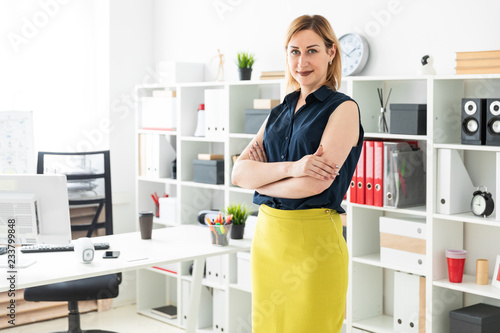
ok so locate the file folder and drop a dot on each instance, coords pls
(409, 303)
(404, 176)
(378, 174)
(360, 177)
(352, 188)
(369, 155)
(454, 185)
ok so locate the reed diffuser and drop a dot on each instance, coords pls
(382, 123)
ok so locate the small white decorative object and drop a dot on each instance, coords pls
(427, 66)
(84, 250)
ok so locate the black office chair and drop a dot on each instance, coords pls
(89, 183)
(94, 288)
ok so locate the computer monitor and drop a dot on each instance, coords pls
(39, 205)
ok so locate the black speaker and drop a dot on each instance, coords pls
(473, 121)
(493, 121)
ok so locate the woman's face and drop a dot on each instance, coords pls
(308, 59)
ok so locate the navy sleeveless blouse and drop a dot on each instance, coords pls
(289, 137)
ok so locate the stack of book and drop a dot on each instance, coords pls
(481, 62)
(272, 75)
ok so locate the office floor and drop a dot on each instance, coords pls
(123, 319)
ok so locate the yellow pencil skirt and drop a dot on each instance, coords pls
(299, 266)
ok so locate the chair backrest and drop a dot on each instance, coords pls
(89, 183)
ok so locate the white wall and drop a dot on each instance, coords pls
(49, 64)
(399, 32)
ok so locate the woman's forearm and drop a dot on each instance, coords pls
(295, 188)
(252, 174)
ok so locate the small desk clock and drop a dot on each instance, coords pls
(482, 202)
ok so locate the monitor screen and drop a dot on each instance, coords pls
(35, 208)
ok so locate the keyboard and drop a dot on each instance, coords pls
(57, 248)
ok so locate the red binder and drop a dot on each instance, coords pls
(352, 188)
(360, 177)
(369, 172)
(378, 174)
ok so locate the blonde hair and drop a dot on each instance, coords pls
(322, 27)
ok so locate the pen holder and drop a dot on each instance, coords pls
(219, 234)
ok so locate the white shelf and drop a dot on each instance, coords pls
(379, 324)
(469, 286)
(469, 218)
(389, 136)
(417, 210)
(194, 196)
(145, 131)
(202, 185)
(374, 260)
(458, 146)
(158, 180)
(202, 139)
(148, 313)
(443, 96)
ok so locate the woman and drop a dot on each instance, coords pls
(300, 164)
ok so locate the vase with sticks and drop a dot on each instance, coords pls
(382, 122)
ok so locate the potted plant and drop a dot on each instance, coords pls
(240, 213)
(245, 63)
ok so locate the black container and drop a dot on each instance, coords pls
(477, 318)
(254, 118)
(410, 119)
(209, 172)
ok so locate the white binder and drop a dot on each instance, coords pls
(454, 186)
(215, 107)
(219, 309)
(409, 303)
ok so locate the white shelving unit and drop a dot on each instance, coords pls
(370, 304)
(232, 312)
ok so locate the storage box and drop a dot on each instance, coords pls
(265, 103)
(209, 172)
(408, 119)
(172, 72)
(254, 118)
(403, 242)
(158, 113)
(168, 210)
(477, 318)
(244, 276)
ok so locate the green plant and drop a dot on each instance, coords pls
(239, 211)
(245, 60)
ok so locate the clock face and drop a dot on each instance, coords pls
(355, 53)
(478, 205)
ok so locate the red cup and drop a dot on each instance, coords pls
(456, 262)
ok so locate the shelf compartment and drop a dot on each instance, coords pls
(157, 289)
(403, 91)
(241, 97)
(374, 260)
(196, 198)
(469, 286)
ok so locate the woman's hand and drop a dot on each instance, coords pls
(315, 166)
(256, 153)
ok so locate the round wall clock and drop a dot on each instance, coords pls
(355, 52)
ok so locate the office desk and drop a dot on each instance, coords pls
(168, 245)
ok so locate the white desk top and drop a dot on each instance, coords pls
(168, 245)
